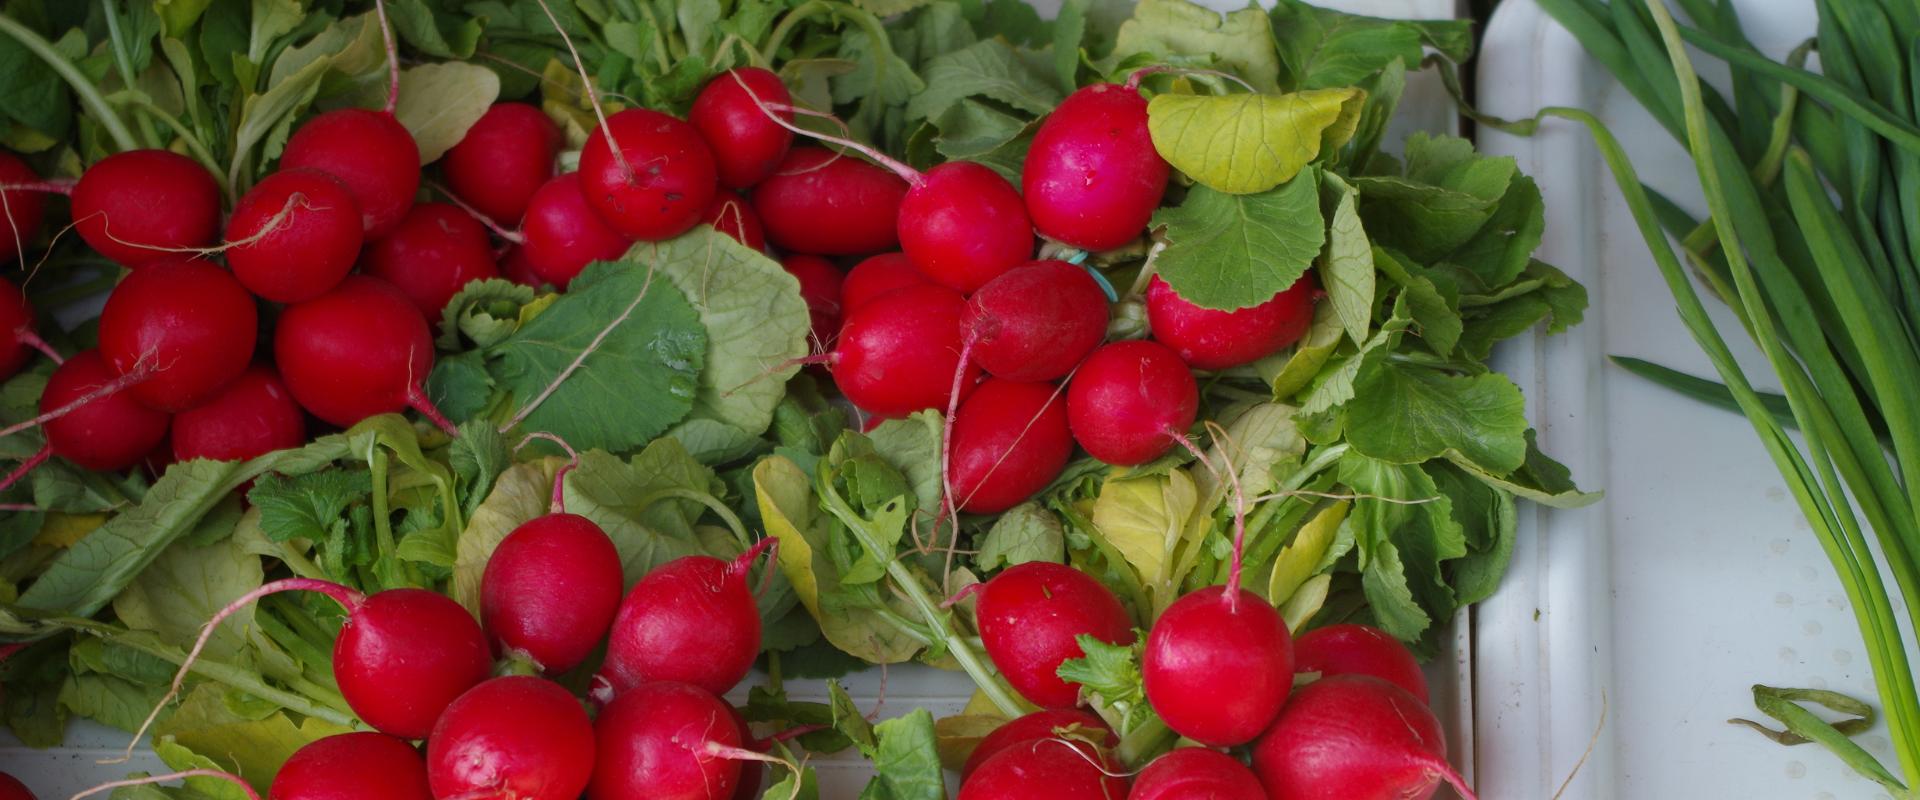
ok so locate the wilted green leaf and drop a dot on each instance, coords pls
(1241, 41)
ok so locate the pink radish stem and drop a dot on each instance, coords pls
(1232, 594)
(949, 511)
(906, 173)
(418, 401)
(393, 55)
(559, 503)
(173, 776)
(345, 596)
(26, 466)
(27, 337)
(961, 596)
(498, 230)
(1453, 779)
(50, 186)
(593, 96)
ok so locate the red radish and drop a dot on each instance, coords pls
(252, 416)
(1046, 769)
(17, 339)
(552, 587)
(964, 225)
(436, 250)
(1211, 339)
(515, 267)
(187, 325)
(370, 152)
(12, 789)
(818, 201)
(820, 286)
(1092, 178)
(294, 235)
(563, 234)
(897, 355)
(1130, 401)
(516, 737)
(1349, 649)
(401, 658)
(142, 206)
(21, 209)
(1009, 441)
(1067, 723)
(876, 276)
(1036, 322)
(692, 620)
(665, 741)
(106, 434)
(659, 182)
(1355, 737)
(503, 158)
(746, 145)
(359, 350)
(352, 766)
(1030, 615)
(1194, 773)
(1201, 637)
(730, 214)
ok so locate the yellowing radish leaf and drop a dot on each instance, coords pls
(1306, 602)
(439, 102)
(1145, 518)
(1249, 143)
(1306, 554)
(1241, 41)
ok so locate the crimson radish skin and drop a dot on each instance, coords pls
(404, 656)
(370, 152)
(21, 211)
(502, 160)
(875, 276)
(352, 766)
(1129, 400)
(1202, 637)
(1355, 737)
(515, 267)
(518, 736)
(692, 620)
(1195, 773)
(897, 354)
(12, 789)
(1049, 724)
(294, 235)
(1349, 649)
(551, 589)
(107, 434)
(1212, 339)
(1036, 322)
(732, 215)
(188, 324)
(562, 234)
(747, 146)
(1009, 441)
(143, 206)
(1046, 769)
(829, 204)
(820, 284)
(964, 225)
(656, 742)
(1092, 178)
(1030, 615)
(663, 186)
(252, 416)
(435, 251)
(359, 350)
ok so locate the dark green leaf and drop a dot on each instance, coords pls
(1233, 251)
(311, 506)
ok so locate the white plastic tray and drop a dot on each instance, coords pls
(67, 770)
(1697, 576)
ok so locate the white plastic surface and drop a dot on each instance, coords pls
(1697, 576)
(64, 771)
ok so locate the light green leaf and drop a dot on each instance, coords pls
(1347, 269)
(434, 32)
(1242, 41)
(520, 494)
(989, 68)
(754, 318)
(1323, 47)
(1540, 479)
(110, 700)
(1307, 555)
(439, 102)
(659, 349)
(1249, 143)
(1306, 601)
(907, 761)
(177, 16)
(1026, 532)
(1257, 439)
(711, 441)
(485, 311)
(1069, 30)
(351, 46)
(253, 748)
(1406, 415)
(1291, 372)
(267, 118)
(1431, 299)
(1145, 519)
(647, 507)
(1385, 582)
(1504, 246)
(888, 8)
(912, 445)
(1233, 251)
(1448, 192)
(183, 588)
